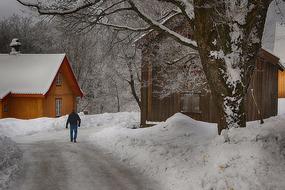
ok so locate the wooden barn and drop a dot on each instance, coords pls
(36, 85)
(263, 87)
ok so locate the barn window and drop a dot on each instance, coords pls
(190, 103)
(58, 79)
(58, 107)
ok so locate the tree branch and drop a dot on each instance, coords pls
(124, 27)
(183, 40)
(44, 11)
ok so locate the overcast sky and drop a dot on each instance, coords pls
(10, 7)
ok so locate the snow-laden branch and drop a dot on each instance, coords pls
(120, 27)
(155, 24)
(186, 7)
(47, 11)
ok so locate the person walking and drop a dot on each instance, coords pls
(74, 121)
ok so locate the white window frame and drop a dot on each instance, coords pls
(58, 107)
(58, 81)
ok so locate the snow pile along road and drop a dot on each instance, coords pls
(183, 154)
(121, 119)
(10, 161)
(17, 127)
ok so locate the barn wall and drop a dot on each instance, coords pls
(64, 92)
(265, 90)
(25, 107)
(163, 108)
(264, 83)
(281, 84)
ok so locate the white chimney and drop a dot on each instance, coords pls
(15, 46)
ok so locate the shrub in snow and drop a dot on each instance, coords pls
(10, 161)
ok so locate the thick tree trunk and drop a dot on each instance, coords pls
(132, 85)
(229, 36)
(134, 93)
(233, 115)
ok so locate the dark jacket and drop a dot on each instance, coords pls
(73, 119)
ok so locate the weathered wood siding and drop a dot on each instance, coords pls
(265, 85)
(163, 108)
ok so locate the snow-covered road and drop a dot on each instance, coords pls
(51, 162)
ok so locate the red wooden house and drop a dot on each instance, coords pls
(37, 85)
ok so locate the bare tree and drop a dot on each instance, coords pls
(227, 35)
(128, 58)
(34, 36)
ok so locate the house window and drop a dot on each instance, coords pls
(5, 108)
(190, 103)
(58, 81)
(58, 107)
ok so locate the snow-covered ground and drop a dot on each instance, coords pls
(281, 106)
(184, 154)
(180, 153)
(10, 160)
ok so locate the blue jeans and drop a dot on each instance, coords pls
(73, 132)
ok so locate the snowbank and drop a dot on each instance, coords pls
(10, 161)
(183, 154)
(17, 127)
(121, 119)
(281, 106)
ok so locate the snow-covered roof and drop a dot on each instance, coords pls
(4, 93)
(279, 43)
(28, 73)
